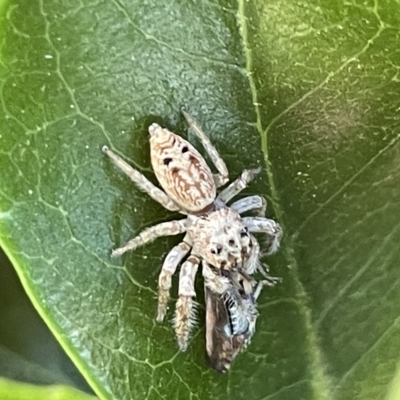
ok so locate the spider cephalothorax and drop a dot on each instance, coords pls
(190, 188)
(220, 238)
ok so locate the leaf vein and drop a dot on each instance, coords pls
(160, 42)
(347, 183)
(321, 382)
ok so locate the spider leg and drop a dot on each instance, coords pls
(223, 176)
(170, 264)
(269, 280)
(184, 311)
(268, 226)
(253, 262)
(261, 284)
(141, 181)
(149, 234)
(259, 287)
(238, 185)
(251, 265)
(250, 203)
(214, 281)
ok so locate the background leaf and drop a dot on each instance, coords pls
(28, 350)
(10, 390)
(307, 89)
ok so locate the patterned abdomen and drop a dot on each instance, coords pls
(181, 170)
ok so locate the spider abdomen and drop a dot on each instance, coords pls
(181, 170)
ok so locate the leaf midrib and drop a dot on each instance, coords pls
(320, 381)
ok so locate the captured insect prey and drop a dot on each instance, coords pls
(216, 236)
(231, 312)
(230, 324)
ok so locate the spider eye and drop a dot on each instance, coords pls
(213, 251)
(231, 242)
(219, 249)
(243, 233)
(167, 160)
(185, 149)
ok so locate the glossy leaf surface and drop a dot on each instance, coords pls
(308, 90)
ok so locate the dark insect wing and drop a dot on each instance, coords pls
(237, 312)
(230, 324)
(222, 344)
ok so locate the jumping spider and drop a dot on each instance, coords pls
(191, 189)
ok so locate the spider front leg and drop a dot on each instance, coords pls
(223, 176)
(268, 226)
(170, 264)
(149, 234)
(184, 311)
(269, 280)
(214, 281)
(238, 185)
(253, 262)
(250, 203)
(141, 181)
(260, 286)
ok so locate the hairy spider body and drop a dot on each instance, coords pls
(215, 233)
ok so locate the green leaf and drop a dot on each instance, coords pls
(14, 366)
(28, 350)
(307, 89)
(11, 390)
